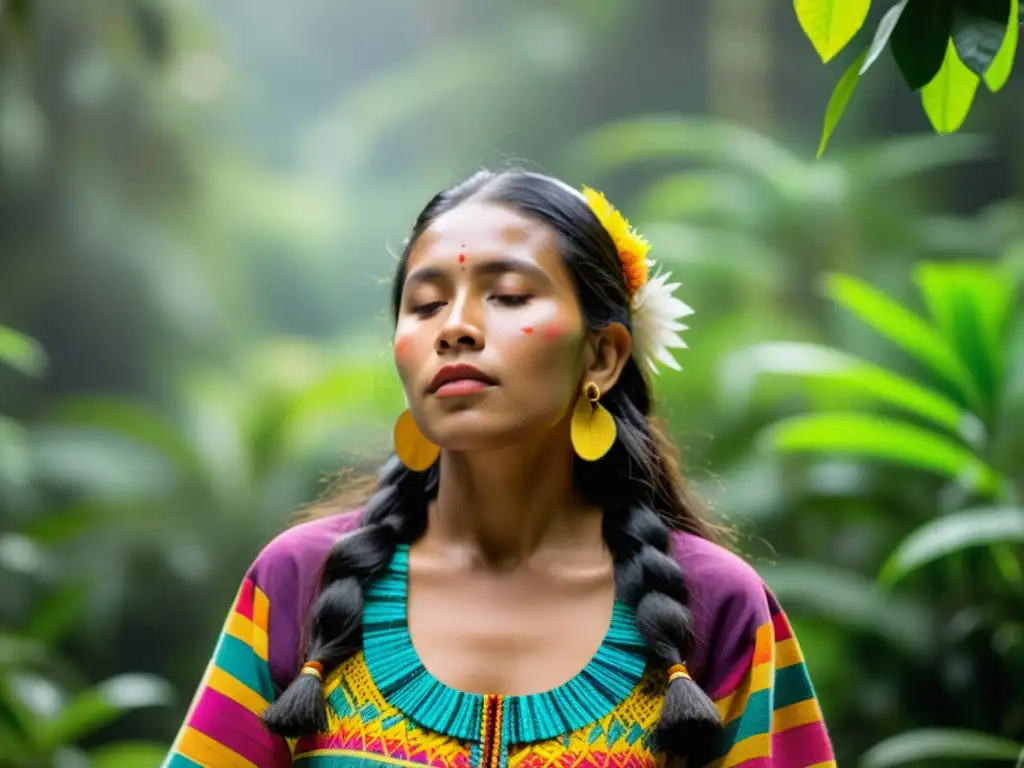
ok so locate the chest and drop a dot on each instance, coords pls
(514, 635)
(387, 706)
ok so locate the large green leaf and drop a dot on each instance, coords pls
(970, 303)
(978, 30)
(840, 98)
(880, 439)
(876, 166)
(128, 754)
(831, 24)
(21, 352)
(939, 744)
(953, 533)
(999, 72)
(661, 138)
(833, 369)
(134, 421)
(99, 706)
(901, 326)
(852, 601)
(947, 98)
(919, 41)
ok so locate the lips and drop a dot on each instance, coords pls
(460, 377)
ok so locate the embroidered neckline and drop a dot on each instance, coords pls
(395, 667)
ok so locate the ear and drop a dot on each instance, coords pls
(608, 351)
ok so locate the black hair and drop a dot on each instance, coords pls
(637, 484)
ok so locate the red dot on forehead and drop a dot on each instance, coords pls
(462, 258)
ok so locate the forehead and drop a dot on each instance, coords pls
(488, 229)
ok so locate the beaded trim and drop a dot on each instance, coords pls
(396, 669)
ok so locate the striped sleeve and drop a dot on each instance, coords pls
(223, 727)
(771, 714)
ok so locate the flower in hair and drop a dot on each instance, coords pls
(654, 308)
(633, 247)
(656, 326)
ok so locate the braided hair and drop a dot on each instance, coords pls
(637, 484)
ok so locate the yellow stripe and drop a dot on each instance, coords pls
(261, 623)
(200, 748)
(730, 707)
(748, 749)
(787, 653)
(826, 764)
(801, 713)
(237, 691)
(240, 628)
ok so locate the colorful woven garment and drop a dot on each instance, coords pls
(385, 708)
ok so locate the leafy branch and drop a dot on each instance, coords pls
(943, 48)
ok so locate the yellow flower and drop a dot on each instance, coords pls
(632, 246)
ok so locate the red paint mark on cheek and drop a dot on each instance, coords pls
(401, 348)
(553, 332)
(528, 330)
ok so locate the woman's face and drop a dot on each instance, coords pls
(486, 287)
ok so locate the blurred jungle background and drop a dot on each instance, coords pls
(198, 203)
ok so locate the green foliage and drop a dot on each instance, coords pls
(43, 719)
(938, 744)
(943, 48)
(951, 426)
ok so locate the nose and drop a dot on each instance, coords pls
(460, 331)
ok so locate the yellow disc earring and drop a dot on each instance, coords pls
(592, 428)
(412, 447)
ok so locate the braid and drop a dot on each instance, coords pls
(630, 484)
(395, 514)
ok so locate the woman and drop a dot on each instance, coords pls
(529, 585)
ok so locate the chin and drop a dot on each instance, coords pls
(467, 432)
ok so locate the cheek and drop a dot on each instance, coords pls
(408, 348)
(546, 350)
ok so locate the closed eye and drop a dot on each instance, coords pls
(512, 300)
(426, 310)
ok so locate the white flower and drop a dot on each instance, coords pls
(656, 326)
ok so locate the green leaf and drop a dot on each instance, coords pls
(953, 533)
(840, 98)
(54, 616)
(897, 159)
(978, 30)
(674, 137)
(851, 601)
(881, 439)
(948, 97)
(999, 72)
(970, 303)
(901, 326)
(128, 754)
(938, 744)
(831, 24)
(21, 352)
(838, 370)
(882, 34)
(134, 421)
(919, 40)
(97, 707)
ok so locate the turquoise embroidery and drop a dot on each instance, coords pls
(604, 683)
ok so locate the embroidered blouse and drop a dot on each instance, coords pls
(385, 708)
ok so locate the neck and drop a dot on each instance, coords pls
(504, 506)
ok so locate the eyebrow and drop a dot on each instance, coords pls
(498, 266)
